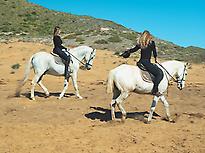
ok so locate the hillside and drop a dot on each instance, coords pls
(30, 22)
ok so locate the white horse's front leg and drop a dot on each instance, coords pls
(75, 85)
(64, 89)
(166, 106)
(153, 106)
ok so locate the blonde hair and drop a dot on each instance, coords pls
(56, 31)
(145, 39)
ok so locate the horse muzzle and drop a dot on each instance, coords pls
(88, 68)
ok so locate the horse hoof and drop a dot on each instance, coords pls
(17, 94)
(147, 122)
(59, 98)
(79, 97)
(171, 120)
(32, 98)
(47, 95)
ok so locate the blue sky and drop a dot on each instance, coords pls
(178, 21)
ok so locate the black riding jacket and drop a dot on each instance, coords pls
(146, 53)
(57, 43)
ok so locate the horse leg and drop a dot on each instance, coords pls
(112, 108)
(33, 84)
(64, 89)
(44, 88)
(154, 103)
(116, 94)
(119, 101)
(75, 85)
(166, 106)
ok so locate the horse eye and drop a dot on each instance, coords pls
(185, 73)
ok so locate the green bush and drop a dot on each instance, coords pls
(114, 39)
(101, 41)
(129, 36)
(78, 39)
(15, 66)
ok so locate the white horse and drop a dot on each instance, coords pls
(127, 78)
(44, 63)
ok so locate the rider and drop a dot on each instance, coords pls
(60, 50)
(147, 46)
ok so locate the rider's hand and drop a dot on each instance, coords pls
(156, 60)
(125, 54)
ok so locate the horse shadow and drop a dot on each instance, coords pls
(51, 94)
(104, 115)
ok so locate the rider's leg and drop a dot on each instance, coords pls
(67, 63)
(157, 72)
(158, 78)
(66, 57)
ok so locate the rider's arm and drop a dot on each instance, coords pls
(136, 48)
(126, 54)
(154, 51)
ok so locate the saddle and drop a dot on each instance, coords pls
(57, 59)
(146, 76)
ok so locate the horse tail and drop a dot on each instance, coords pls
(26, 75)
(110, 82)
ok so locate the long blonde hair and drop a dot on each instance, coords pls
(56, 31)
(145, 39)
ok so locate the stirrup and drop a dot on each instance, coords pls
(158, 94)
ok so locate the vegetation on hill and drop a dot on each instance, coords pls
(30, 22)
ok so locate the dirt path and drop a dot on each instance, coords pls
(71, 125)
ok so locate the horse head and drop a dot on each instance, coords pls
(90, 55)
(181, 75)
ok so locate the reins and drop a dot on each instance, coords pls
(167, 72)
(84, 64)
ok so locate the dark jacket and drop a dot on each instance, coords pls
(57, 44)
(146, 52)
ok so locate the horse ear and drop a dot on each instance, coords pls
(188, 65)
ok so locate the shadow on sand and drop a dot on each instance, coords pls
(104, 115)
(41, 94)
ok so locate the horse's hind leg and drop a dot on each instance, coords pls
(44, 88)
(35, 80)
(166, 106)
(119, 101)
(153, 106)
(112, 108)
(116, 94)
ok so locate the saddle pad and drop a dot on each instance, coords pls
(146, 76)
(57, 59)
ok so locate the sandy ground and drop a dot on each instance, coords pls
(49, 125)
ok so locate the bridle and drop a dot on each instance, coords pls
(88, 62)
(90, 58)
(179, 81)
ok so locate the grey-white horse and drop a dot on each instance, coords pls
(44, 63)
(127, 78)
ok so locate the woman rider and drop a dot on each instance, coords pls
(61, 50)
(147, 46)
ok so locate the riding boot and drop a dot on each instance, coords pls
(155, 90)
(67, 72)
(67, 68)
